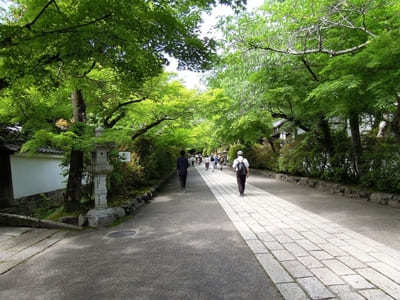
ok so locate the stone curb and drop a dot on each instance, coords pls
(17, 220)
(392, 200)
(131, 206)
(98, 218)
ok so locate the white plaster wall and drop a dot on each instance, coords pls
(35, 175)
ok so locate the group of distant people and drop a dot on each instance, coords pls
(198, 158)
(215, 161)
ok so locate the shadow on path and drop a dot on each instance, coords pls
(185, 248)
(380, 223)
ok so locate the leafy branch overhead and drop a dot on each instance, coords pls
(285, 29)
(67, 67)
(133, 37)
(323, 73)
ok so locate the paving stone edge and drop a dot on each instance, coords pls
(389, 199)
(131, 206)
(18, 220)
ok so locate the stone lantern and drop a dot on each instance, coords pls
(102, 167)
(101, 214)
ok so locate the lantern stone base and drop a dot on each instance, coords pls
(104, 217)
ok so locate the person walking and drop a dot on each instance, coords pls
(216, 160)
(221, 162)
(207, 162)
(182, 165)
(241, 167)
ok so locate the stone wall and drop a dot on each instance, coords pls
(26, 205)
(392, 200)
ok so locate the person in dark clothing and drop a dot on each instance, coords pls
(182, 165)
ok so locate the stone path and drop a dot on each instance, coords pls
(185, 247)
(18, 244)
(307, 256)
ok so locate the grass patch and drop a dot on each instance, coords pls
(54, 213)
(49, 211)
(118, 200)
(59, 213)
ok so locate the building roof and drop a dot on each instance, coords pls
(279, 123)
(12, 139)
(16, 148)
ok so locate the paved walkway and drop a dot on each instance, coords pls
(279, 241)
(18, 244)
(185, 247)
(306, 255)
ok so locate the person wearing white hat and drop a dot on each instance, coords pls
(241, 167)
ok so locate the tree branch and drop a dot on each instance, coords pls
(148, 127)
(29, 25)
(111, 124)
(308, 67)
(88, 71)
(108, 124)
(130, 102)
(8, 41)
(352, 26)
(48, 59)
(72, 28)
(56, 5)
(311, 51)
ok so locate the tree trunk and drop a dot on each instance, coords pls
(395, 124)
(73, 193)
(271, 143)
(356, 141)
(326, 135)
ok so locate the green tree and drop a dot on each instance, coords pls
(313, 64)
(47, 42)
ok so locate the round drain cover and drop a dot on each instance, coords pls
(119, 234)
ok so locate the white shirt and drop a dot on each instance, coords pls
(206, 159)
(240, 159)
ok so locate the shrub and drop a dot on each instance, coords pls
(309, 157)
(341, 164)
(149, 162)
(381, 165)
(126, 176)
(262, 157)
(293, 157)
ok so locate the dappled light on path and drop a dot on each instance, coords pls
(306, 255)
(185, 247)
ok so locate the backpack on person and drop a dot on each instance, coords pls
(241, 168)
(212, 158)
